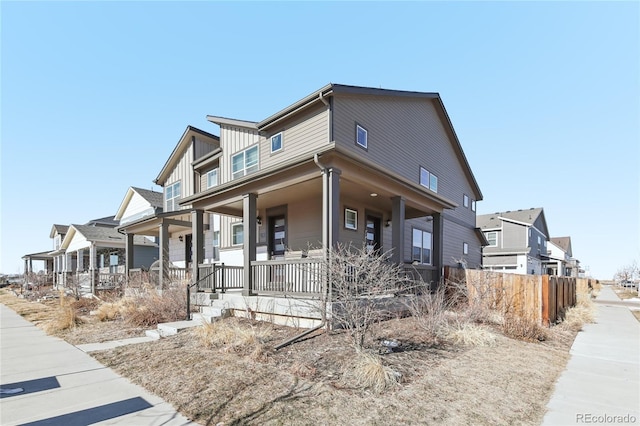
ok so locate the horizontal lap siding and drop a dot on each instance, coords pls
(513, 235)
(136, 205)
(305, 134)
(304, 227)
(403, 135)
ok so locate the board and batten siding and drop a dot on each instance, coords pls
(233, 140)
(203, 147)
(306, 133)
(183, 172)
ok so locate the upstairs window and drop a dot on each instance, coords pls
(212, 178)
(276, 143)
(421, 247)
(473, 205)
(492, 238)
(244, 162)
(465, 248)
(361, 136)
(172, 196)
(428, 179)
(465, 200)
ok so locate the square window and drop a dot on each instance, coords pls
(276, 142)
(428, 180)
(361, 136)
(492, 238)
(350, 219)
(465, 200)
(244, 162)
(465, 248)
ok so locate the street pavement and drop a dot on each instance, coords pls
(46, 381)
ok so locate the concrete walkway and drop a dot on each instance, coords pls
(62, 385)
(601, 384)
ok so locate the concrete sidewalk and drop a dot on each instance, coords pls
(61, 385)
(601, 384)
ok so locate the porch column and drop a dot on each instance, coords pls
(128, 253)
(197, 235)
(437, 246)
(333, 206)
(163, 254)
(80, 260)
(249, 229)
(397, 229)
(92, 267)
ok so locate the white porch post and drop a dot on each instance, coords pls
(249, 229)
(92, 267)
(80, 262)
(128, 249)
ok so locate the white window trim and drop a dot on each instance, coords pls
(487, 236)
(422, 232)
(233, 226)
(465, 200)
(473, 205)
(353, 227)
(281, 134)
(465, 248)
(244, 162)
(366, 137)
(174, 199)
(217, 171)
(428, 183)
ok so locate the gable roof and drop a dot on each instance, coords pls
(60, 229)
(331, 89)
(526, 217)
(182, 145)
(154, 198)
(564, 243)
(101, 234)
(107, 221)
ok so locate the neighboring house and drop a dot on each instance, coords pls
(561, 261)
(517, 241)
(191, 168)
(57, 234)
(93, 252)
(375, 167)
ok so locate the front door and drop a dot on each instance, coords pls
(188, 250)
(277, 236)
(372, 235)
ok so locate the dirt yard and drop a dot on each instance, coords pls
(318, 381)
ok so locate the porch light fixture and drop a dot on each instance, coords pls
(388, 224)
(180, 238)
(429, 218)
(373, 194)
(259, 220)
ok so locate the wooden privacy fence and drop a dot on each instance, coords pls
(542, 298)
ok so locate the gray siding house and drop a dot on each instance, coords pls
(345, 164)
(517, 241)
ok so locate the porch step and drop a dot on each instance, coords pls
(214, 312)
(202, 298)
(173, 328)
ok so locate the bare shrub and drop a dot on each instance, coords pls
(149, 307)
(361, 283)
(430, 310)
(471, 335)
(303, 369)
(523, 328)
(369, 372)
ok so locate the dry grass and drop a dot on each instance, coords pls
(369, 372)
(149, 308)
(108, 311)
(234, 335)
(469, 334)
(66, 317)
(576, 316)
(522, 328)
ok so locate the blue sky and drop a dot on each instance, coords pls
(545, 99)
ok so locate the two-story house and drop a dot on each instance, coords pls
(517, 241)
(375, 167)
(561, 261)
(183, 234)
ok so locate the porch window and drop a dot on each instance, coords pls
(244, 162)
(172, 196)
(361, 136)
(216, 245)
(212, 178)
(237, 234)
(428, 179)
(276, 142)
(421, 247)
(351, 219)
(492, 238)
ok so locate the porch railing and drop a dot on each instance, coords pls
(292, 277)
(219, 277)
